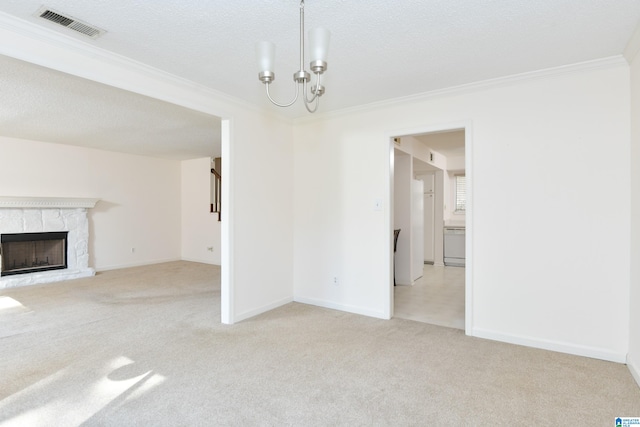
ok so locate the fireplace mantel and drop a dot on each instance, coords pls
(46, 202)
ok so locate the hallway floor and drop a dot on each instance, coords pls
(436, 298)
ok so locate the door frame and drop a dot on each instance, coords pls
(467, 125)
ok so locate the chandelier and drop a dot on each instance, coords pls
(319, 43)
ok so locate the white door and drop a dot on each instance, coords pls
(429, 182)
(417, 229)
(429, 228)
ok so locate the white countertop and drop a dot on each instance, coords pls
(454, 224)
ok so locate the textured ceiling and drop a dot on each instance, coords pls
(46, 105)
(379, 49)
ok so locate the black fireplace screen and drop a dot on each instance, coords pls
(31, 252)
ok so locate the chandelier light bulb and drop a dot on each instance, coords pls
(319, 43)
(266, 52)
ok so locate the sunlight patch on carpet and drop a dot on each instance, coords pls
(8, 304)
(78, 399)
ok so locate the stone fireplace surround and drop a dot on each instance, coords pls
(45, 214)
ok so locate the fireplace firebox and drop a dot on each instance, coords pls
(33, 252)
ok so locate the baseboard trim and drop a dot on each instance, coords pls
(561, 347)
(136, 264)
(341, 307)
(635, 371)
(256, 311)
(201, 261)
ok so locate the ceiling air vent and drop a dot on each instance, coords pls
(69, 22)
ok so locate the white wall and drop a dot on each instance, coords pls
(139, 203)
(633, 359)
(200, 228)
(550, 266)
(455, 163)
(257, 153)
(402, 217)
(412, 145)
(262, 214)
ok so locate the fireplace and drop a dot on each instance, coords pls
(62, 226)
(24, 253)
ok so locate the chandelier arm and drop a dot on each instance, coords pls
(315, 92)
(317, 102)
(282, 105)
(307, 102)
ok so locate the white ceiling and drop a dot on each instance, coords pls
(45, 105)
(379, 50)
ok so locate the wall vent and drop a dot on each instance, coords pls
(69, 22)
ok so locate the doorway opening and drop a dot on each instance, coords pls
(430, 186)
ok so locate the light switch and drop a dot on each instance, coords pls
(377, 205)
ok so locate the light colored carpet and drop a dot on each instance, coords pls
(145, 347)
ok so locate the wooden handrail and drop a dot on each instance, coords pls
(216, 206)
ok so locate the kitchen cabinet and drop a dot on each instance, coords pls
(454, 246)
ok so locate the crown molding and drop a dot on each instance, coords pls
(46, 202)
(603, 63)
(42, 46)
(171, 88)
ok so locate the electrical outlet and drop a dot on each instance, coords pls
(335, 281)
